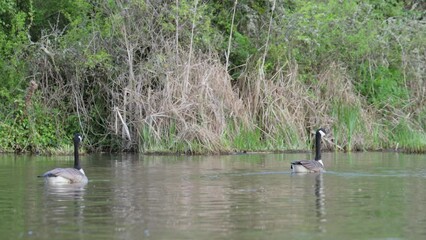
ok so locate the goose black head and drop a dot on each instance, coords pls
(321, 132)
(78, 138)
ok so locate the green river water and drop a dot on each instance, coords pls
(250, 196)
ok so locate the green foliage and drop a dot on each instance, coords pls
(32, 130)
(242, 49)
(288, 138)
(383, 86)
(99, 59)
(167, 143)
(405, 137)
(384, 9)
(48, 14)
(421, 117)
(194, 22)
(243, 45)
(346, 125)
(247, 139)
(14, 23)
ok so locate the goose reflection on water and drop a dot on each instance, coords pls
(320, 201)
(74, 191)
(65, 203)
(319, 197)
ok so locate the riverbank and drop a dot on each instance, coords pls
(68, 151)
(197, 78)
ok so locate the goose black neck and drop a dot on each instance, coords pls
(318, 146)
(76, 157)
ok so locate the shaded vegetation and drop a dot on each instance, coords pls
(212, 76)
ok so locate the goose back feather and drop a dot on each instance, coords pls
(315, 165)
(68, 175)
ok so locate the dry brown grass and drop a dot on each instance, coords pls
(157, 92)
(197, 99)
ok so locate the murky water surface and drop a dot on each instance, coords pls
(361, 196)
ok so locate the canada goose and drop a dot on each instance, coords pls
(311, 165)
(68, 175)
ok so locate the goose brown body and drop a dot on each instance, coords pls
(316, 165)
(68, 175)
(65, 175)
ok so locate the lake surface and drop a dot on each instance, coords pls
(251, 196)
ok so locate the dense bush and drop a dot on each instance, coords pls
(213, 76)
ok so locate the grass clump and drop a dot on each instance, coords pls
(248, 140)
(408, 139)
(347, 125)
